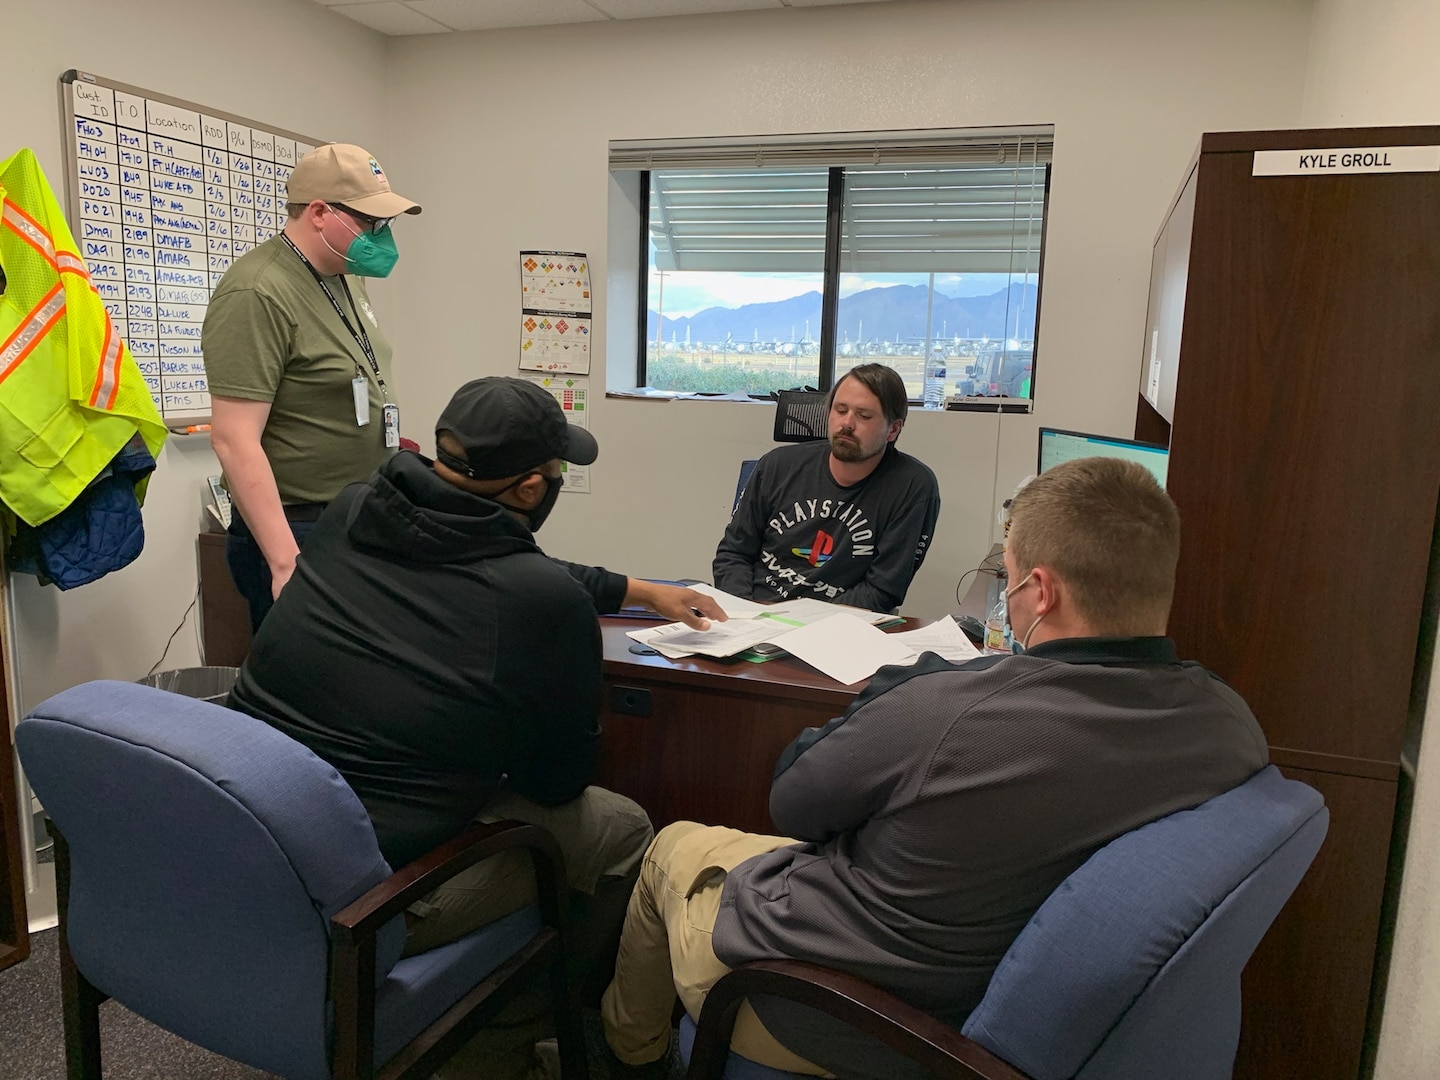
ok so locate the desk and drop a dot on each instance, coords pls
(697, 739)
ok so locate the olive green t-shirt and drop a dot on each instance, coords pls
(272, 335)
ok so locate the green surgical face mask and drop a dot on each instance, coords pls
(372, 254)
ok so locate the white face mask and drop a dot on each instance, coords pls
(1024, 642)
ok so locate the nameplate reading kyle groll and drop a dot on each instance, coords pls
(1355, 159)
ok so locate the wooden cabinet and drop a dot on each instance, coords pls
(1305, 460)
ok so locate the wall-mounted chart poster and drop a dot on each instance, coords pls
(163, 195)
(555, 281)
(572, 392)
(555, 312)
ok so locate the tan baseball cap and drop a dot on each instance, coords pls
(349, 174)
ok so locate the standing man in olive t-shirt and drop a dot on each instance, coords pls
(299, 372)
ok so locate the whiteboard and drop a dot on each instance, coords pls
(163, 195)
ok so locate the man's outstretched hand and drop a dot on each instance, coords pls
(675, 602)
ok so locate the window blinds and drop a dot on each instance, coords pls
(919, 201)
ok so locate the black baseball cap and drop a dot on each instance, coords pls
(508, 426)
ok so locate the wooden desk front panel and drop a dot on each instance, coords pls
(707, 749)
(701, 755)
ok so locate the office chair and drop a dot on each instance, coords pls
(1131, 968)
(800, 415)
(746, 468)
(220, 880)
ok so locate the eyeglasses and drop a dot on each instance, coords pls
(367, 223)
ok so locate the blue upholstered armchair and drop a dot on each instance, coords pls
(223, 882)
(1129, 971)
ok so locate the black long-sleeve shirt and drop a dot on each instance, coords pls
(797, 533)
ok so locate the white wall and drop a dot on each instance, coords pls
(504, 136)
(282, 62)
(1373, 62)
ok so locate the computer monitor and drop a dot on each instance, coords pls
(1058, 446)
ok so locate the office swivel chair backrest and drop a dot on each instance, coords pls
(1132, 967)
(208, 852)
(747, 467)
(800, 415)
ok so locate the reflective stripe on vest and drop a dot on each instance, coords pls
(107, 377)
(47, 313)
(32, 328)
(29, 230)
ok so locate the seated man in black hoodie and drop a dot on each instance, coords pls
(450, 671)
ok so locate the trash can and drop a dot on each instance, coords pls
(206, 683)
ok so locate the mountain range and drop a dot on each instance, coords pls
(883, 313)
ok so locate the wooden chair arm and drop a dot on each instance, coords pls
(415, 881)
(353, 929)
(922, 1038)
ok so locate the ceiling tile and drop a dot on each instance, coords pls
(499, 14)
(436, 16)
(654, 9)
(390, 17)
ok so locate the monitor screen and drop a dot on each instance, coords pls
(1058, 446)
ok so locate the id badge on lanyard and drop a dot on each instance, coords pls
(360, 386)
(390, 412)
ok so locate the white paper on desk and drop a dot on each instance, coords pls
(722, 639)
(648, 635)
(735, 607)
(808, 610)
(846, 648)
(942, 637)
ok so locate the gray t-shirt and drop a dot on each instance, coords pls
(272, 335)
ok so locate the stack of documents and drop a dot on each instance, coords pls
(843, 642)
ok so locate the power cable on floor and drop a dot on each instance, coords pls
(194, 600)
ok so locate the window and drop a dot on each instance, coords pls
(776, 263)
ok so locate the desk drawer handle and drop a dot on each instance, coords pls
(629, 701)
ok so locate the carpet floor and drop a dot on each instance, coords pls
(32, 1041)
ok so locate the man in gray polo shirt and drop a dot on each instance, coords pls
(299, 371)
(933, 818)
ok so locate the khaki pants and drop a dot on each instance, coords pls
(601, 834)
(665, 946)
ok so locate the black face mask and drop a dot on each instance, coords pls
(537, 517)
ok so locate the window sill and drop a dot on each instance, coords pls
(646, 394)
(989, 404)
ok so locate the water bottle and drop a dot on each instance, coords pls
(997, 637)
(934, 395)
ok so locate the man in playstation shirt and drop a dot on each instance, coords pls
(847, 521)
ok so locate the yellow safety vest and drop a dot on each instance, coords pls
(71, 394)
